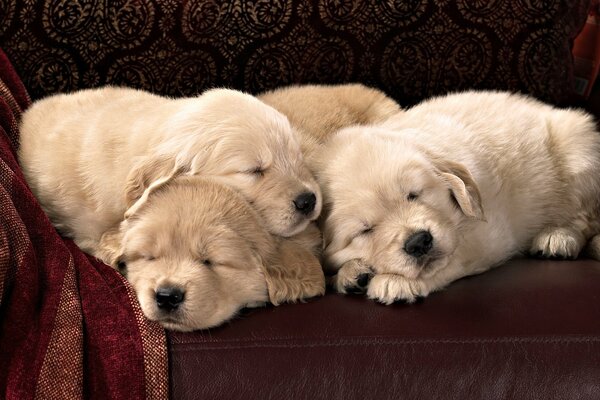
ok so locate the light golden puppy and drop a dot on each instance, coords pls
(80, 151)
(455, 186)
(196, 252)
(320, 110)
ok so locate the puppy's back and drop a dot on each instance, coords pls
(509, 131)
(320, 110)
(76, 150)
(541, 162)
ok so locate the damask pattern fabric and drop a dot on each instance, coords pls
(70, 326)
(411, 49)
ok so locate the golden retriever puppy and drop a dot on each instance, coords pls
(196, 252)
(455, 186)
(317, 111)
(320, 110)
(80, 151)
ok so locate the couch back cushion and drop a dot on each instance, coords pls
(411, 49)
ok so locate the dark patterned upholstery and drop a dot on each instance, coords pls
(506, 334)
(411, 48)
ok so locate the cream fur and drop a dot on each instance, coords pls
(318, 111)
(201, 236)
(101, 160)
(490, 175)
(87, 155)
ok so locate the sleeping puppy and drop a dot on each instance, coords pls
(320, 110)
(80, 151)
(455, 186)
(317, 111)
(196, 252)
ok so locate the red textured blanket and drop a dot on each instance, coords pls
(70, 326)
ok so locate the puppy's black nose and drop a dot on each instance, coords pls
(305, 203)
(418, 244)
(169, 298)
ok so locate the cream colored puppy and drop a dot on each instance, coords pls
(455, 186)
(318, 111)
(80, 151)
(196, 252)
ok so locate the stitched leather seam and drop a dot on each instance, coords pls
(400, 342)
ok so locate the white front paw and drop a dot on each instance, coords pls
(559, 243)
(389, 288)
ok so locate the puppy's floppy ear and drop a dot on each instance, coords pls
(295, 274)
(463, 187)
(110, 247)
(145, 172)
(148, 174)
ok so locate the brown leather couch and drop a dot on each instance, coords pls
(529, 329)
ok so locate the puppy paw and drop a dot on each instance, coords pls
(390, 288)
(292, 287)
(297, 276)
(593, 248)
(256, 304)
(557, 243)
(353, 277)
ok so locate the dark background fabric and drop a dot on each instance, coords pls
(411, 49)
(526, 330)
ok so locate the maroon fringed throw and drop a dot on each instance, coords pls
(70, 326)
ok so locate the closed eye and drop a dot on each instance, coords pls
(365, 231)
(258, 171)
(412, 196)
(206, 262)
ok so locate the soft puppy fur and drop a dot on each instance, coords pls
(89, 154)
(109, 166)
(455, 186)
(317, 111)
(196, 252)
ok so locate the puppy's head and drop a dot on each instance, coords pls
(247, 145)
(194, 251)
(393, 205)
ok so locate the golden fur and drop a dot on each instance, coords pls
(101, 160)
(86, 155)
(489, 175)
(202, 237)
(320, 110)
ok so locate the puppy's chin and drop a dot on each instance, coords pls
(186, 318)
(181, 325)
(415, 268)
(174, 324)
(287, 221)
(432, 267)
(423, 268)
(299, 224)
(190, 316)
